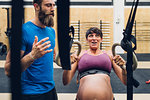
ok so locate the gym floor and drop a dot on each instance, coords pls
(69, 92)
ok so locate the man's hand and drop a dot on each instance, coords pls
(39, 48)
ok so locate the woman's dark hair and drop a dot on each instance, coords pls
(39, 2)
(94, 30)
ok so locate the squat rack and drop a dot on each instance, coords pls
(15, 71)
(63, 36)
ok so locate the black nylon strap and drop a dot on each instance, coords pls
(71, 41)
(126, 44)
(63, 33)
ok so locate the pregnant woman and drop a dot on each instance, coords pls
(94, 67)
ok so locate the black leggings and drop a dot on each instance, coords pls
(51, 95)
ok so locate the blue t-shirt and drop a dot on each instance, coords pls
(37, 78)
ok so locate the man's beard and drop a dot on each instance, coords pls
(46, 19)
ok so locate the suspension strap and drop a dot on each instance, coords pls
(72, 36)
(126, 44)
(63, 33)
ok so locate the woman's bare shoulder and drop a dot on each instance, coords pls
(82, 53)
(108, 52)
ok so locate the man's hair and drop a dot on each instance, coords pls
(37, 1)
(94, 30)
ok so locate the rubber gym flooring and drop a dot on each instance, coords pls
(140, 74)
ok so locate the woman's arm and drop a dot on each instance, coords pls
(121, 73)
(68, 74)
(117, 62)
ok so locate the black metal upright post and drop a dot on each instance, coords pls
(79, 30)
(15, 71)
(7, 18)
(101, 30)
(135, 29)
(8, 32)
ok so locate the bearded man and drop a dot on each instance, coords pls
(37, 51)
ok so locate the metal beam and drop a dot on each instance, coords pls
(17, 19)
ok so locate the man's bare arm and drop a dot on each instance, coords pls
(38, 50)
